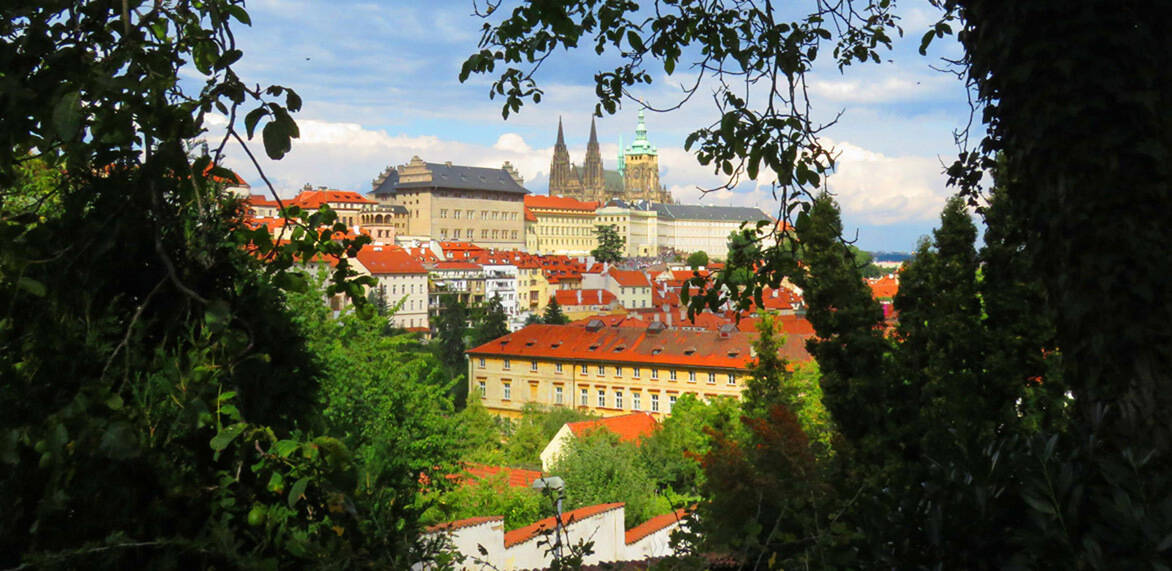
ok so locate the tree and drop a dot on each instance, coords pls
(698, 259)
(598, 468)
(553, 313)
(673, 453)
(493, 322)
(533, 431)
(451, 328)
(611, 247)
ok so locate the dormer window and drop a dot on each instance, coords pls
(657, 350)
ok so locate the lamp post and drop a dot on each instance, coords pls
(559, 487)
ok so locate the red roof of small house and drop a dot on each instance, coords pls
(529, 216)
(457, 266)
(463, 523)
(629, 427)
(558, 203)
(459, 250)
(673, 347)
(655, 524)
(260, 200)
(381, 260)
(630, 278)
(314, 199)
(884, 287)
(531, 531)
(574, 297)
(515, 477)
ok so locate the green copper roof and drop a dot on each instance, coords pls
(641, 146)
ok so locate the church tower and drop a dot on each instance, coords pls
(560, 176)
(593, 185)
(641, 169)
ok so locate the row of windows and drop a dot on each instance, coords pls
(584, 397)
(484, 234)
(484, 214)
(636, 372)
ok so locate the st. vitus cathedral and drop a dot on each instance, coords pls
(637, 177)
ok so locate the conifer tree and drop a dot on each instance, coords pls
(553, 313)
(494, 322)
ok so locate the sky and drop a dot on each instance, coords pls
(379, 85)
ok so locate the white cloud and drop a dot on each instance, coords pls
(881, 189)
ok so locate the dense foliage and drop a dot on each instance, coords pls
(611, 246)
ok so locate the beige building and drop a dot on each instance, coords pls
(638, 224)
(452, 202)
(560, 225)
(607, 370)
(384, 221)
(693, 228)
(402, 281)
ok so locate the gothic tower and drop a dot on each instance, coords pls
(559, 168)
(641, 169)
(592, 182)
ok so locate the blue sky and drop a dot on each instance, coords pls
(379, 85)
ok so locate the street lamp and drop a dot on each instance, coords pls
(559, 487)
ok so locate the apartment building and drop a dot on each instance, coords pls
(560, 225)
(608, 371)
(403, 282)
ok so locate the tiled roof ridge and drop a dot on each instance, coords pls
(624, 426)
(463, 523)
(656, 523)
(523, 534)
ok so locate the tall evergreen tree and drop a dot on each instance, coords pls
(611, 246)
(449, 343)
(553, 313)
(493, 322)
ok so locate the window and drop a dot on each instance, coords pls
(585, 370)
(557, 395)
(532, 365)
(469, 215)
(601, 370)
(456, 234)
(508, 391)
(671, 373)
(557, 367)
(671, 402)
(732, 379)
(618, 399)
(636, 401)
(443, 213)
(482, 362)
(456, 214)
(691, 376)
(654, 402)
(514, 234)
(618, 371)
(601, 398)
(635, 372)
(583, 397)
(483, 389)
(654, 373)
(712, 378)
(507, 363)
(483, 234)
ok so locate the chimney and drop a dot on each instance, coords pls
(668, 321)
(579, 297)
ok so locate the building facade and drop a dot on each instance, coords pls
(452, 202)
(637, 177)
(561, 225)
(607, 371)
(402, 282)
(692, 228)
(637, 224)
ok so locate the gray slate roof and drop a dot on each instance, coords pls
(698, 212)
(444, 175)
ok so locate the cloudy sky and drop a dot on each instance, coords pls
(379, 84)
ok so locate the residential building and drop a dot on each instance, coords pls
(632, 287)
(452, 202)
(628, 427)
(561, 225)
(348, 204)
(579, 303)
(384, 221)
(637, 223)
(464, 280)
(500, 280)
(601, 369)
(402, 281)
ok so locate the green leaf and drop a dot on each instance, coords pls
(31, 286)
(297, 491)
(227, 435)
(635, 41)
(284, 448)
(291, 281)
(218, 315)
(240, 14)
(114, 402)
(120, 441)
(1039, 504)
(252, 118)
(67, 116)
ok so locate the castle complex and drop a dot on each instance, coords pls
(637, 177)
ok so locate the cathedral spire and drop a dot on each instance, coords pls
(593, 135)
(592, 179)
(561, 143)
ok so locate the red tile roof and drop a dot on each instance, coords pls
(529, 216)
(521, 535)
(630, 278)
(313, 199)
(558, 203)
(655, 524)
(389, 260)
(884, 287)
(463, 523)
(674, 347)
(515, 477)
(629, 427)
(260, 200)
(574, 297)
(459, 250)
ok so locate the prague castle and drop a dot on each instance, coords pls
(637, 177)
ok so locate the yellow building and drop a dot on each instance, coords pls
(607, 370)
(561, 225)
(637, 224)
